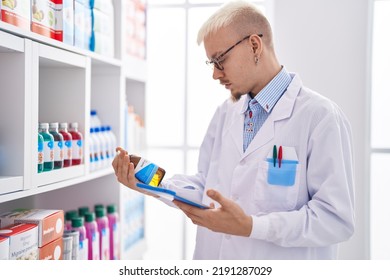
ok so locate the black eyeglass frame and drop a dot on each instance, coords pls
(216, 62)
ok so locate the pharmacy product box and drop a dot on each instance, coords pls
(46, 18)
(79, 23)
(68, 21)
(23, 241)
(4, 248)
(52, 250)
(50, 222)
(16, 12)
(102, 23)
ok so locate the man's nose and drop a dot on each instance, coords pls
(217, 73)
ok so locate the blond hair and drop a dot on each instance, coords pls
(243, 17)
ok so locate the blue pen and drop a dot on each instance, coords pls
(275, 155)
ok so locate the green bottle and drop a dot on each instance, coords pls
(40, 152)
(48, 147)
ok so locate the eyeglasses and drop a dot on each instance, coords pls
(217, 62)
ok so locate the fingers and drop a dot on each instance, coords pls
(115, 162)
(217, 196)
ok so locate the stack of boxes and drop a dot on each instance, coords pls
(87, 24)
(135, 28)
(102, 35)
(33, 233)
(19, 242)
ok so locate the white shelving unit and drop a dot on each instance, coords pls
(43, 80)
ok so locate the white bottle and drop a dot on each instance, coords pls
(102, 143)
(107, 144)
(95, 121)
(97, 148)
(113, 140)
(92, 147)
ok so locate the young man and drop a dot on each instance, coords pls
(276, 162)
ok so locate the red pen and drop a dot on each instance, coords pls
(280, 156)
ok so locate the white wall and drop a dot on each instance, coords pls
(327, 43)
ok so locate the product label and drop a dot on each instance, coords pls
(95, 246)
(40, 152)
(68, 149)
(105, 244)
(145, 171)
(48, 152)
(77, 149)
(116, 241)
(58, 153)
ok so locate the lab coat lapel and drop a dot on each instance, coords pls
(235, 129)
(281, 111)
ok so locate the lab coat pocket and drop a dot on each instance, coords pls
(283, 175)
(277, 188)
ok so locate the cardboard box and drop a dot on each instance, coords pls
(52, 250)
(50, 222)
(16, 12)
(22, 240)
(4, 248)
(47, 18)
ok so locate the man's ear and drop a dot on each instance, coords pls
(256, 44)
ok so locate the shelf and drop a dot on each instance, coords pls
(54, 186)
(10, 184)
(45, 80)
(9, 43)
(17, 42)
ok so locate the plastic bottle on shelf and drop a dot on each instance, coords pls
(63, 129)
(78, 224)
(41, 143)
(107, 144)
(94, 153)
(92, 235)
(104, 233)
(112, 141)
(77, 143)
(101, 147)
(95, 120)
(48, 147)
(68, 218)
(58, 145)
(74, 234)
(113, 224)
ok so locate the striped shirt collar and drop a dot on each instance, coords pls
(270, 94)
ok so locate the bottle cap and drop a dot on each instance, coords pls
(70, 214)
(100, 212)
(44, 125)
(83, 210)
(111, 208)
(63, 125)
(89, 217)
(77, 222)
(98, 206)
(74, 125)
(53, 125)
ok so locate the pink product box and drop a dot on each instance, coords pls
(22, 241)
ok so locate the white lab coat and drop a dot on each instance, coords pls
(305, 220)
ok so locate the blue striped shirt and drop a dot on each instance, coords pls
(261, 106)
